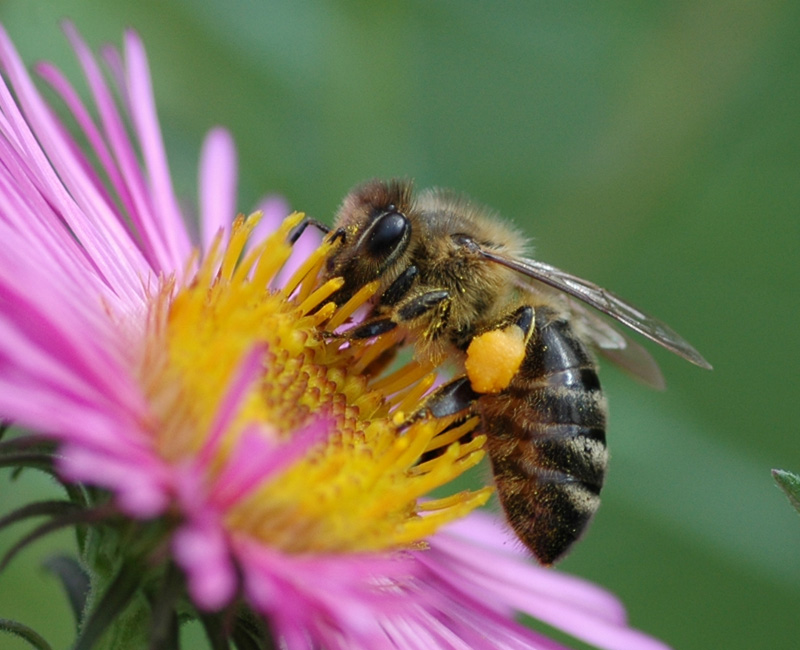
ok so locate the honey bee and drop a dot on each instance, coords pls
(455, 279)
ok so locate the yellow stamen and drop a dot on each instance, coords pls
(279, 249)
(375, 349)
(451, 435)
(403, 377)
(324, 314)
(465, 450)
(347, 310)
(360, 487)
(311, 263)
(320, 295)
(415, 394)
(309, 282)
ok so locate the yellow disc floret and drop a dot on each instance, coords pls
(360, 489)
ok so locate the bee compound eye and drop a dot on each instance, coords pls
(387, 234)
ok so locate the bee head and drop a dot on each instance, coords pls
(374, 230)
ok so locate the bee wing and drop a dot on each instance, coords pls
(617, 347)
(603, 300)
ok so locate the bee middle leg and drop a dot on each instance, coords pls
(387, 317)
(449, 399)
(404, 312)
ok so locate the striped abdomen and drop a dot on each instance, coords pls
(546, 439)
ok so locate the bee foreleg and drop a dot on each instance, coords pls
(400, 287)
(298, 230)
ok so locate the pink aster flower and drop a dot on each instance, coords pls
(225, 453)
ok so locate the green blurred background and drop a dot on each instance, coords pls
(651, 147)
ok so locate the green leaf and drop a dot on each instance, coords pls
(251, 632)
(49, 508)
(215, 632)
(74, 580)
(32, 460)
(164, 621)
(70, 516)
(107, 612)
(24, 632)
(28, 442)
(790, 484)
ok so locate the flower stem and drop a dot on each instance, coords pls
(120, 618)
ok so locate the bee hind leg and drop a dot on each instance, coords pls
(453, 398)
(523, 317)
(460, 394)
(495, 355)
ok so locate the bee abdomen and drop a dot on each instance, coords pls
(577, 452)
(546, 440)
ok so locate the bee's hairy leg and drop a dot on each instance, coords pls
(377, 325)
(523, 317)
(456, 396)
(365, 330)
(421, 304)
(465, 438)
(300, 228)
(370, 328)
(400, 287)
(494, 356)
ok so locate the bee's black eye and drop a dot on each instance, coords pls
(387, 234)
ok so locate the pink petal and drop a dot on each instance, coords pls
(141, 488)
(143, 112)
(217, 185)
(77, 199)
(246, 374)
(201, 550)
(322, 598)
(257, 459)
(506, 579)
(483, 537)
(40, 231)
(151, 244)
(274, 209)
(131, 182)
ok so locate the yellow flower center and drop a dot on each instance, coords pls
(360, 488)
